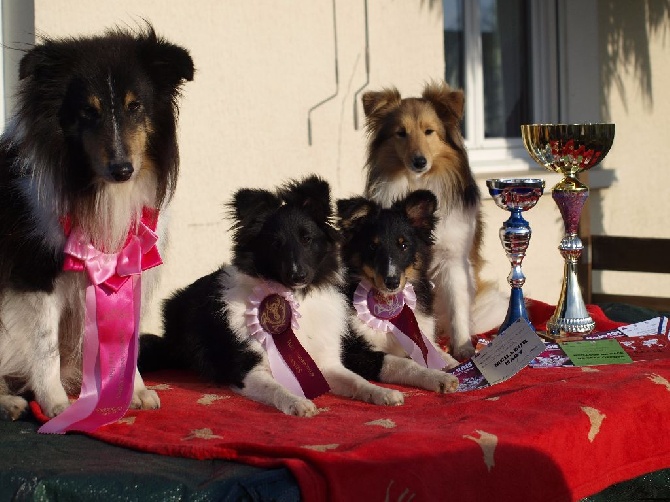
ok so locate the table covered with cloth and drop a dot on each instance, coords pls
(545, 434)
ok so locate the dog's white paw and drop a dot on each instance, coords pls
(384, 396)
(12, 407)
(300, 408)
(464, 350)
(51, 410)
(443, 382)
(449, 359)
(145, 399)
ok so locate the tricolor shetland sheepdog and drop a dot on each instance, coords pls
(275, 314)
(416, 143)
(92, 143)
(387, 253)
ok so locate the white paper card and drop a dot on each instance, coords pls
(655, 326)
(509, 352)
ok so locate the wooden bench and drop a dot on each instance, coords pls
(625, 254)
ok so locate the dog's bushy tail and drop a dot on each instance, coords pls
(489, 308)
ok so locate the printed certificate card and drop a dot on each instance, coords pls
(596, 352)
(509, 352)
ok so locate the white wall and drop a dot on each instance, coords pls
(261, 65)
(634, 49)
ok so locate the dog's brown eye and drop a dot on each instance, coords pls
(306, 239)
(89, 112)
(134, 106)
(401, 133)
(429, 132)
(402, 245)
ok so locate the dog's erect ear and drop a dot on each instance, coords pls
(448, 103)
(43, 62)
(30, 62)
(351, 212)
(377, 104)
(252, 205)
(419, 208)
(169, 65)
(312, 195)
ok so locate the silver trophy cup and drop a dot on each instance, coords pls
(515, 196)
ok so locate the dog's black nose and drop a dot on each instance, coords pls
(299, 277)
(121, 171)
(392, 283)
(419, 162)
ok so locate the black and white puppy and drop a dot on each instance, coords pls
(283, 241)
(387, 254)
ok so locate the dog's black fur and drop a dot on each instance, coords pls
(389, 247)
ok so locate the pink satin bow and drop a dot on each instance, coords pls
(113, 269)
(112, 326)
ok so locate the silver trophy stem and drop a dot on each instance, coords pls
(570, 316)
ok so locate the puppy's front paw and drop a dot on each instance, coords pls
(12, 407)
(300, 408)
(384, 396)
(464, 350)
(449, 359)
(145, 399)
(445, 382)
(51, 410)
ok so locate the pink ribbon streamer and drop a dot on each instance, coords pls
(402, 325)
(113, 301)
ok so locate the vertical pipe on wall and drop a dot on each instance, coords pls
(367, 66)
(337, 82)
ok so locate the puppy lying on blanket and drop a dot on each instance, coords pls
(387, 254)
(271, 323)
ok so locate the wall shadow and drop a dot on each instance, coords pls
(627, 28)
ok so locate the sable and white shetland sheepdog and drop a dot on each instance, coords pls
(415, 143)
(92, 143)
(387, 253)
(283, 246)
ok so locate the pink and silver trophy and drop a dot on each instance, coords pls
(515, 195)
(569, 149)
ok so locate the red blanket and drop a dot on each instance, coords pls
(546, 434)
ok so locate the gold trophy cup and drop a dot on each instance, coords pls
(569, 149)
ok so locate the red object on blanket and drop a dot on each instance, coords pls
(545, 434)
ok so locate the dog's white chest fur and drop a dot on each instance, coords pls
(321, 321)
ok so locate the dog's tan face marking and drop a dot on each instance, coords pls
(136, 134)
(113, 134)
(418, 135)
(92, 109)
(130, 102)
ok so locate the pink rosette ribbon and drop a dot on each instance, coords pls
(395, 314)
(113, 301)
(271, 317)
